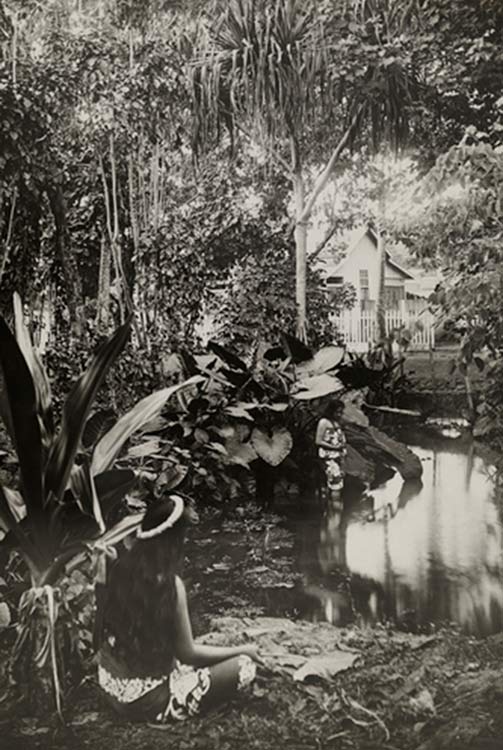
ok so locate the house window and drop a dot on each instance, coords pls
(364, 284)
(392, 297)
(335, 280)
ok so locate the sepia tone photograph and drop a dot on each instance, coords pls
(251, 374)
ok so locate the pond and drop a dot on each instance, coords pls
(419, 552)
(414, 553)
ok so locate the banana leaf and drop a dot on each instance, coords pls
(76, 411)
(22, 401)
(110, 445)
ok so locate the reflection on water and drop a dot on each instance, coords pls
(419, 552)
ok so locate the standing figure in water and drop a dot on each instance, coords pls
(331, 443)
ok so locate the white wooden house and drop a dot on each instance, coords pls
(404, 308)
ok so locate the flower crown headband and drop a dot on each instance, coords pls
(167, 524)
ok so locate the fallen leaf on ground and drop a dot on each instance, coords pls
(326, 666)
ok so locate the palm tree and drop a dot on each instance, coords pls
(282, 72)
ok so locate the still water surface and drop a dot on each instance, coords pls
(420, 552)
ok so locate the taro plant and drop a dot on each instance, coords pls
(62, 508)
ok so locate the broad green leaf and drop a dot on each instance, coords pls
(238, 412)
(22, 401)
(228, 357)
(355, 465)
(354, 414)
(272, 448)
(5, 618)
(110, 445)
(145, 449)
(239, 450)
(13, 510)
(324, 360)
(38, 373)
(125, 527)
(112, 486)
(76, 411)
(317, 386)
(172, 476)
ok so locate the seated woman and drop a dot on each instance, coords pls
(150, 669)
(331, 443)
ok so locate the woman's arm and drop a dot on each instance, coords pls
(196, 654)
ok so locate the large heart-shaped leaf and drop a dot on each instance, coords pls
(324, 360)
(272, 447)
(239, 449)
(317, 386)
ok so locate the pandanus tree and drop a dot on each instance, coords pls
(302, 80)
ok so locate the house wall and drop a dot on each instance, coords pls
(365, 256)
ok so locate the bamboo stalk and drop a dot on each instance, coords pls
(110, 230)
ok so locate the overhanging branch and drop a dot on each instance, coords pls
(322, 178)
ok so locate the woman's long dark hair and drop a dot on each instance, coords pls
(333, 407)
(140, 598)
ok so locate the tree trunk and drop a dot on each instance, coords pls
(73, 290)
(104, 288)
(300, 242)
(381, 303)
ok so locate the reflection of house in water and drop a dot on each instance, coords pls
(440, 554)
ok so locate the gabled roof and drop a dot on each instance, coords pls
(372, 234)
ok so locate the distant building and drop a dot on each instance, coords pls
(404, 295)
(360, 268)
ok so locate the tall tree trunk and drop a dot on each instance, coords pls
(300, 242)
(300, 262)
(104, 288)
(381, 302)
(73, 289)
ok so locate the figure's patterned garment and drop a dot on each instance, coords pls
(162, 699)
(333, 458)
(127, 689)
(187, 686)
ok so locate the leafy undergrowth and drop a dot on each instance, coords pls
(435, 692)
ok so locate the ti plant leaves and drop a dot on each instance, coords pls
(76, 411)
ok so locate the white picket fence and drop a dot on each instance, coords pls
(359, 327)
